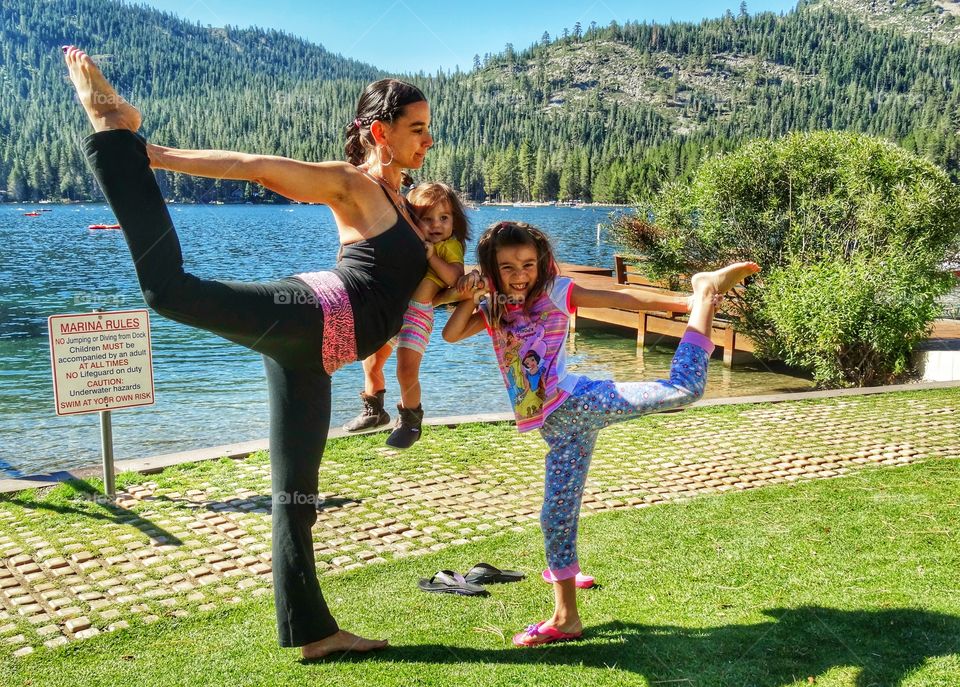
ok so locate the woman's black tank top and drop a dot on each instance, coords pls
(381, 274)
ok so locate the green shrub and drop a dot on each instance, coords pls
(824, 203)
(851, 322)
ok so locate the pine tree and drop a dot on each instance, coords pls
(526, 163)
(267, 92)
(17, 189)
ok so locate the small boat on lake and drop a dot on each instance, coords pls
(104, 226)
(31, 214)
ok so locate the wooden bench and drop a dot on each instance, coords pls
(627, 273)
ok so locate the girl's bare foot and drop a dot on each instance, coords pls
(341, 641)
(720, 281)
(568, 626)
(105, 109)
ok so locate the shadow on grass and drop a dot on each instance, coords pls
(245, 505)
(794, 645)
(113, 513)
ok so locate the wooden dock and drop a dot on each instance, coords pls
(647, 323)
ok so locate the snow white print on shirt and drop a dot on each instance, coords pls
(530, 349)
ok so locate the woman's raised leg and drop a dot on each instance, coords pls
(105, 109)
(279, 319)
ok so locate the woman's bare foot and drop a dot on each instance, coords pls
(341, 641)
(105, 109)
(720, 281)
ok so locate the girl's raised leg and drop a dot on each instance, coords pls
(708, 285)
(609, 402)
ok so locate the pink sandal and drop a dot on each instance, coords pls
(534, 636)
(583, 581)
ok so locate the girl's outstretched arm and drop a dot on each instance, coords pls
(306, 182)
(628, 300)
(465, 321)
(449, 295)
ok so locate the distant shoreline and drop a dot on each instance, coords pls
(486, 203)
(550, 204)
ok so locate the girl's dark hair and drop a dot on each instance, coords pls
(502, 235)
(384, 101)
(428, 195)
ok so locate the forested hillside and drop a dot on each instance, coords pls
(601, 113)
(933, 20)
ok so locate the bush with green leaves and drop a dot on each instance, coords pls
(850, 230)
(851, 322)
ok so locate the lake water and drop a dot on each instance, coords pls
(211, 392)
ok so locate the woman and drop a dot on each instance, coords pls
(304, 326)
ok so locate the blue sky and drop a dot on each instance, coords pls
(414, 35)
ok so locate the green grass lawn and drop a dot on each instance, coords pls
(852, 581)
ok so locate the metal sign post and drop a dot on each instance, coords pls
(106, 445)
(106, 449)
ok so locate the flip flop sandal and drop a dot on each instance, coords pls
(449, 582)
(535, 636)
(583, 581)
(484, 573)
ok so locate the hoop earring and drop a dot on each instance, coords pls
(380, 157)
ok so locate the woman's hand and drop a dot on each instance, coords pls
(716, 301)
(473, 286)
(479, 294)
(468, 282)
(431, 251)
(482, 288)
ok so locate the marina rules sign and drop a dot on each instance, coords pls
(101, 361)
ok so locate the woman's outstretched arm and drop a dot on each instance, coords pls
(305, 182)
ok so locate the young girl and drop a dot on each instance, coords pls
(526, 311)
(443, 220)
